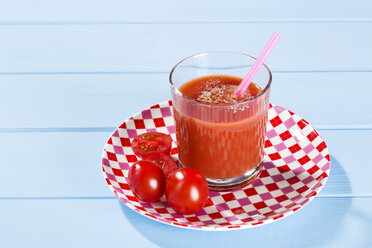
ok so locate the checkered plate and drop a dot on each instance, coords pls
(296, 167)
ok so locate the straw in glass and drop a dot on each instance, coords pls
(243, 86)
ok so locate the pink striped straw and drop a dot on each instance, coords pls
(243, 86)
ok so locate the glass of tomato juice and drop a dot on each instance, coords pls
(218, 133)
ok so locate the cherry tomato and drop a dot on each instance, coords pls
(152, 142)
(186, 190)
(164, 161)
(146, 180)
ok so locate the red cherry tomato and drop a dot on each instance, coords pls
(186, 190)
(164, 161)
(152, 142)
(147, 181)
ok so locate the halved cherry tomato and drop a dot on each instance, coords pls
(152, 142)
(186, 190)
(164, 161)
(146, 180)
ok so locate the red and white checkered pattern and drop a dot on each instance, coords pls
(296, 167)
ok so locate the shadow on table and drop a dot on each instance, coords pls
(316, 225)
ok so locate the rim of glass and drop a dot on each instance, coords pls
(223, 104)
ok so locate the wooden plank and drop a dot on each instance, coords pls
(137, 48)
(52, 164)
(325, 222)
(68, 164)
(350, 160)
(180, 11)
(49, 101)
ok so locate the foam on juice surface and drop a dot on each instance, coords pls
(218, 92)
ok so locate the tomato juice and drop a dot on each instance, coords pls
(218, 133)
(216, 147)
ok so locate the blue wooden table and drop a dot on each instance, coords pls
(73, 70)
